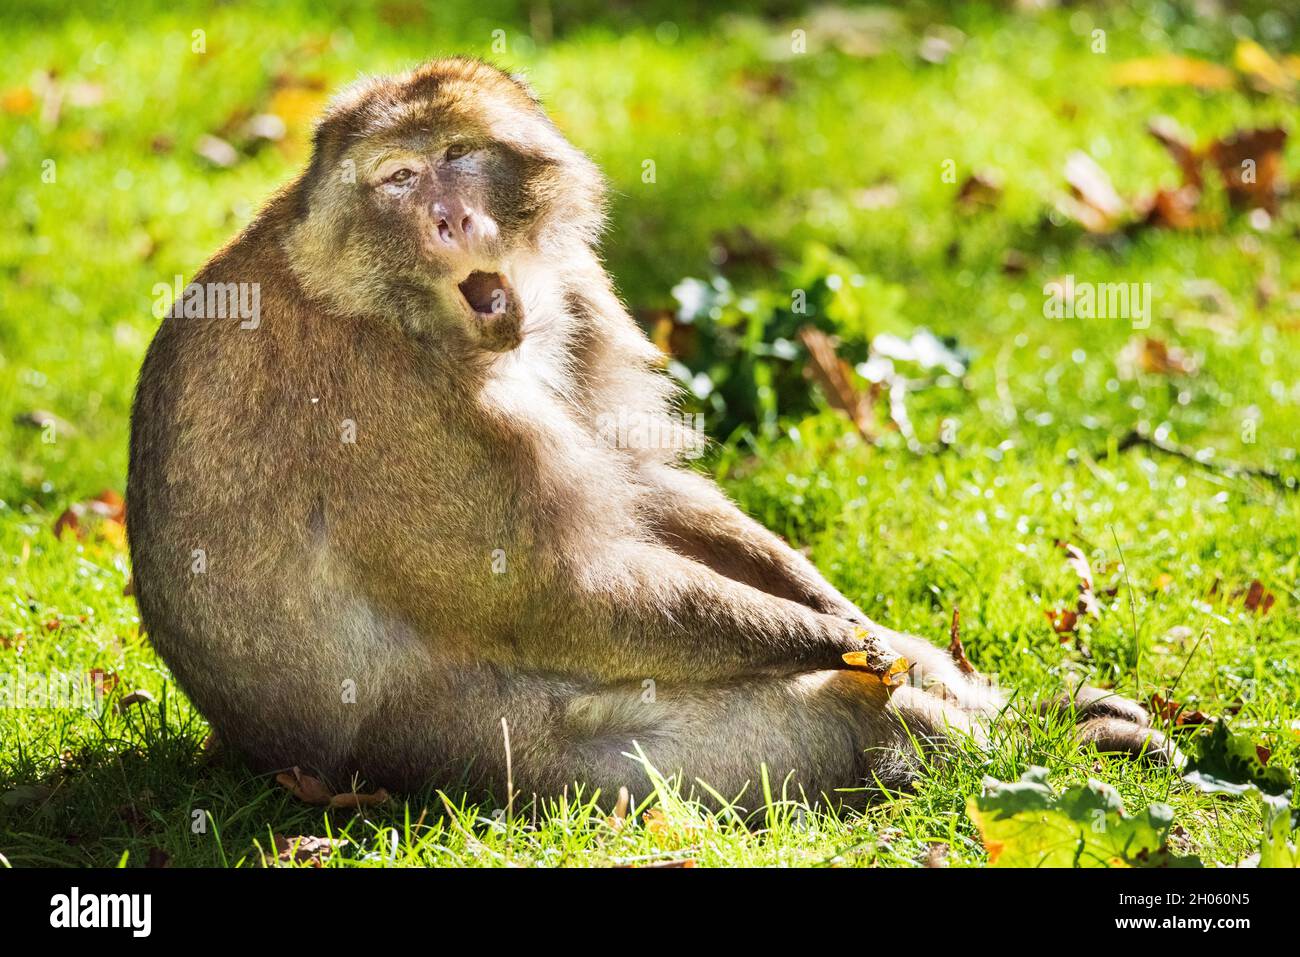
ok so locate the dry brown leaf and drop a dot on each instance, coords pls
(1169, 711)
(1093, 201)
(158, 858)
(311, 790)
(1174, 209)
(1171, 137)
(104, 515)
(303, 849)
(1078, 561)
(139, 696)
(1145, 354)
(1250, 162)
(835, 377)
(980, 191)
(955, 647)
(1064, 621)
(1258, 599)
(1172, 70)
(104, 681)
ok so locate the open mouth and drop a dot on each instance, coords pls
(487, 293)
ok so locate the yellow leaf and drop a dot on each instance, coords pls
(19, 101)
(862, 661)
(1172, 70)
(1258, 64)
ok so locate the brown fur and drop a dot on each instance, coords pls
(636, 604)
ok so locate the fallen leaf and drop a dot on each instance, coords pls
(979, 191)
(1171, 137)
(656, 822)
(1265, 74)
(216, 151)
(158, 858)
(140, 696)
(303, 850)
(1171, 712)
(1064, 621)
(104, 516)
(1250, 161)
(955, 647)
(1093, 201)
(835, 377)
(1174, 209)
(104, 681)
(1151, 356)
(1078, 561)
(1172, 70)
(870, 664)
(1258, 599)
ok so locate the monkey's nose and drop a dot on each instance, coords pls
(456, 224)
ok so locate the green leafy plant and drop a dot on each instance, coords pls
(1027, 824)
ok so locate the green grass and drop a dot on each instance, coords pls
(907, 536)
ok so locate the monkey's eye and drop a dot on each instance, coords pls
(456, 150)
(401, 176)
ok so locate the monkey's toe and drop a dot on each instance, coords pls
(1127, 737)
(1088, 703)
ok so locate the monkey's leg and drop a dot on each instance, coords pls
(826, 730)
(693, 516)
(1114, 723)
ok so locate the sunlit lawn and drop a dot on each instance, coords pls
(783, 146)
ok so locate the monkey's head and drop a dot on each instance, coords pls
(426, 191)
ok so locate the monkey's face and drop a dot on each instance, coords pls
(442, 208)
(442, 181)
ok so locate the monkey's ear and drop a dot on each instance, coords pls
(521, 81)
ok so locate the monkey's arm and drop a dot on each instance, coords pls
(639, 610)
(695, 518)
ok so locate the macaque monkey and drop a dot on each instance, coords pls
(384, 517)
